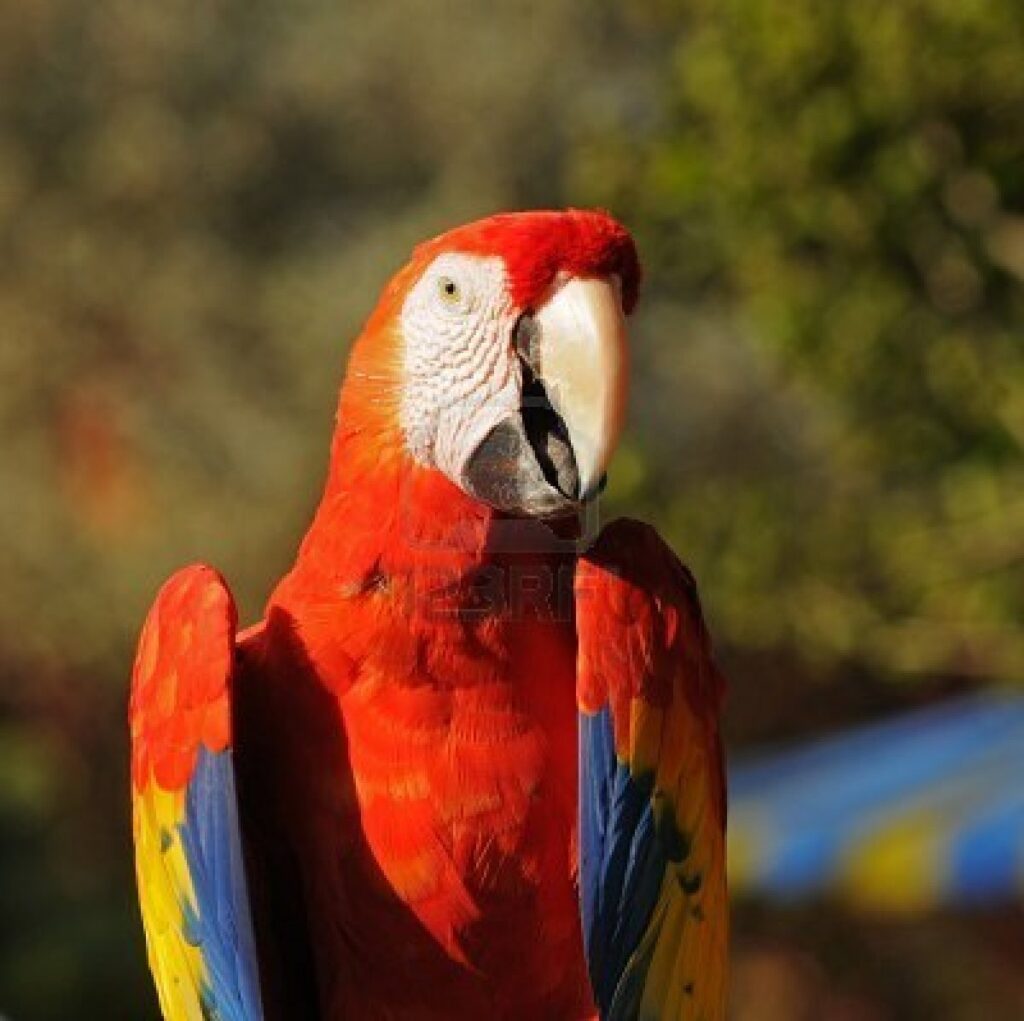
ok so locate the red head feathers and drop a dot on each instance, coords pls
(537, 246)
(490, 377)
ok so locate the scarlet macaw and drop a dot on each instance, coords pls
(467, 765)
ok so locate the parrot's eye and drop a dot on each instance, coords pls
(449, 290)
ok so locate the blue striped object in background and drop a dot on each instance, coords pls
(911, 812)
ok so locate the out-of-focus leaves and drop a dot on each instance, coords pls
(831, 194)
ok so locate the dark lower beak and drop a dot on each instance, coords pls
(525, 465)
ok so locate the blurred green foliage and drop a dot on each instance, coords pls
(832, 193)
(200, 202)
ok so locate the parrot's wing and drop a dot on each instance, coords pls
(188, 853)
(652, 792)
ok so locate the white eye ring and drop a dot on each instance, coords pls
(449, 291)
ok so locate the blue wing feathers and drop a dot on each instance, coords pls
(622, 865)
(220, 924)
(625, 1005)
(597, 777)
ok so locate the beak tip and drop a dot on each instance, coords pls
(590, 489)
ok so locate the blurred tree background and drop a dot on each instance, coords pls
(198, 206)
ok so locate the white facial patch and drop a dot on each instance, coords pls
(461, 377)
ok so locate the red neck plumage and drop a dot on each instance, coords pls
(384, 517)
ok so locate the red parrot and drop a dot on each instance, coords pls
(468, 764)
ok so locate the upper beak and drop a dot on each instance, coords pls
(581, 356)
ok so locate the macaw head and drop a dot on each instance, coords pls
(500, 352)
